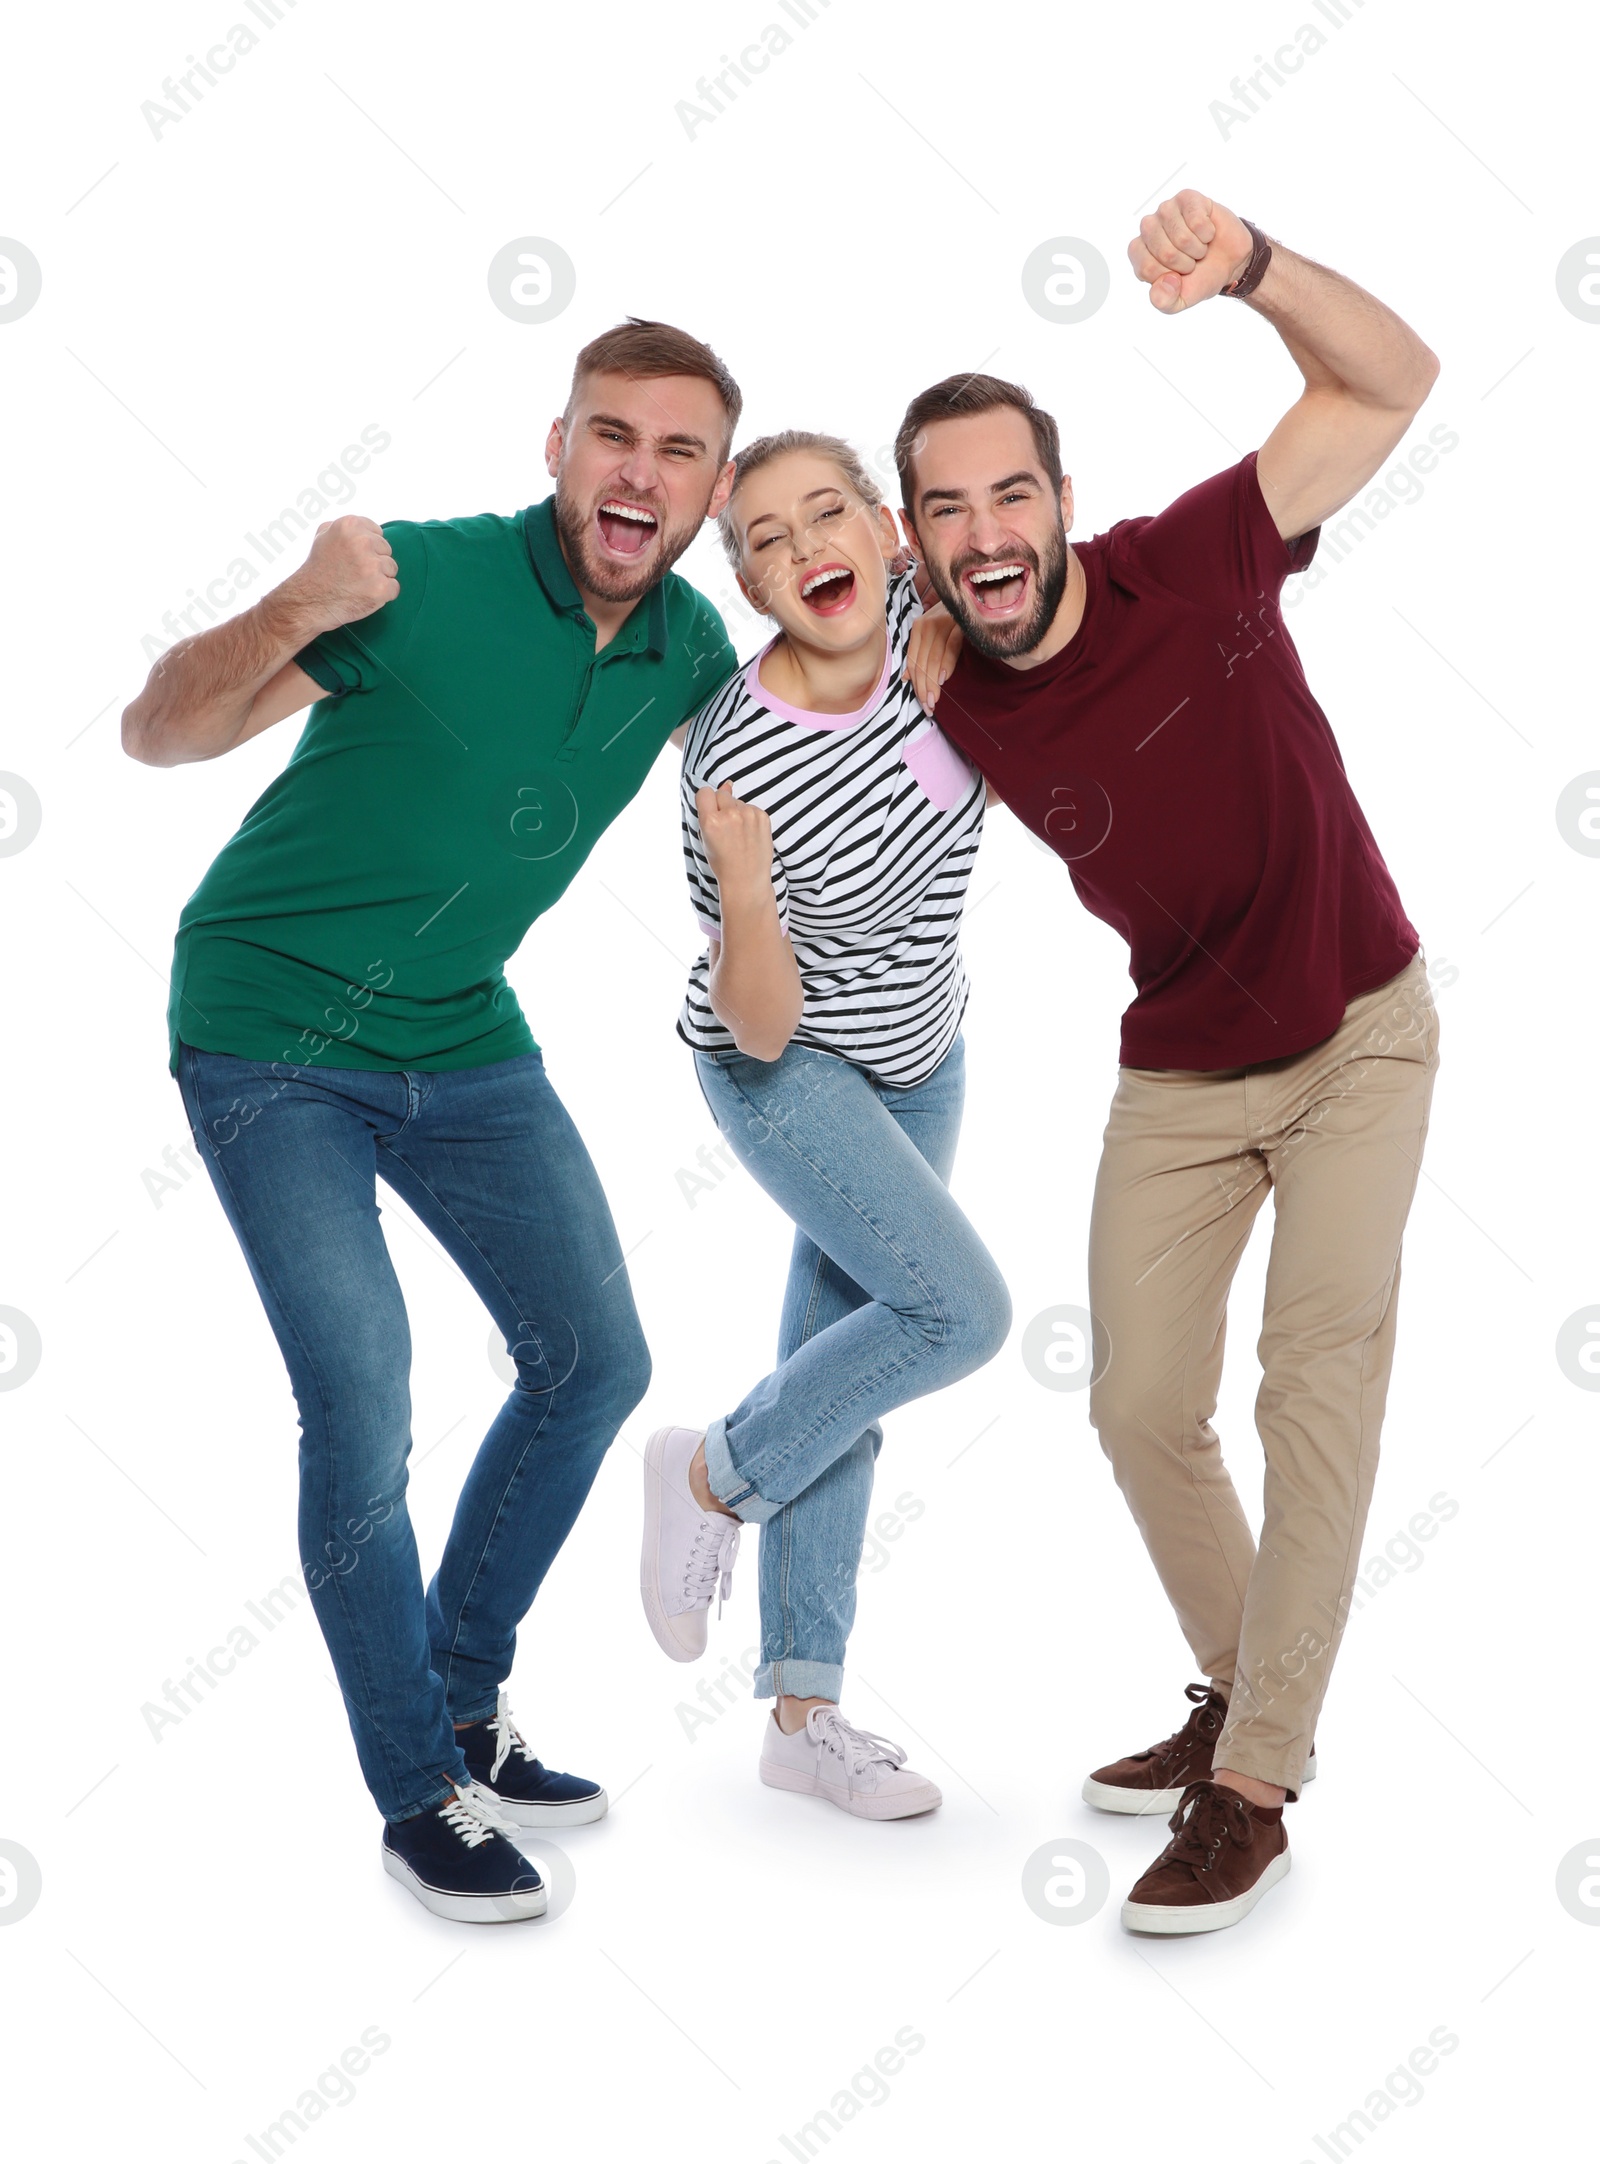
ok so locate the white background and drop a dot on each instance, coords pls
(304, 254)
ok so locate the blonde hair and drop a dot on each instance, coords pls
(766, 448)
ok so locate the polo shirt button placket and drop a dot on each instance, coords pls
(567, 750)
(622, 644)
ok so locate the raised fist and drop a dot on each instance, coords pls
(349, 572)
(738, 838)
(1189, 249)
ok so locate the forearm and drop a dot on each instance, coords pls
(199, 694)
(1344, 341)
(755, 986)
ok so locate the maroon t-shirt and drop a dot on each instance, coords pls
(1173, 756)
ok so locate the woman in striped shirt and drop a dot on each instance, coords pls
(829, 833)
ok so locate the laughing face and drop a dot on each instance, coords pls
(639, 466)
(813, 555)
(991, 530)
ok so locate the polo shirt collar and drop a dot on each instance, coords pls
(646, 627)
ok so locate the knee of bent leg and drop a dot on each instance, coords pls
(1119, 1410)
(981, 1322)
(618, 1373)
(603, 1361)
(630, 1371)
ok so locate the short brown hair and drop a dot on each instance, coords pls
(638, 347)
(766, 448)
(958, 396)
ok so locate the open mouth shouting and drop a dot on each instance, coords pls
(999, 590)
(829, 590)
(626, 529)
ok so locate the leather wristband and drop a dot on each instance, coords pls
(1256, 269)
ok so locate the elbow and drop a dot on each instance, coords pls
(763, 1022)
(136, 735)
(142, 740)
(773, 1037)
(762, 1044)
(1425, 375)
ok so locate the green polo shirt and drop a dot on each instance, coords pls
(471, 750)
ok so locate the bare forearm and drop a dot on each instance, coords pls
(755, 985)
(199, 694)
(1343, 339)
(1365, 371)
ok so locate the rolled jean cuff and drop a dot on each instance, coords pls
(799, 1679)
(728, 1484)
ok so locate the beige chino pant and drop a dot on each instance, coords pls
(1336, 1135)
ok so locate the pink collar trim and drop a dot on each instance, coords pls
(802, 716)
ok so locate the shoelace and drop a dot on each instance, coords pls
(508, 1737)
(710, 1562)
(1204, 1721)
(470, 1814)
(858, 1747)
(1207, 1816)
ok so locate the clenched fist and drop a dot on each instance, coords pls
(1189, 249)
(349, 572)
(738, 839)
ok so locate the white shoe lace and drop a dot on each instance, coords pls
(508, 1737)
(709, 1566)
(470, 1814)
(858, 1747)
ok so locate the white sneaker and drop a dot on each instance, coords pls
(863, 1774)
(688, 1552)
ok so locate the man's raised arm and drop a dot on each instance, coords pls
(214, 691)
(1366, 373)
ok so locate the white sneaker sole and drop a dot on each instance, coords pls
(467, 1908)
(667, 1630)
(1184, 1922)
(582, 1811)
(909, 1804)
(1146, 1802)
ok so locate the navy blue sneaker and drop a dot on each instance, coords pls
(522, 1790)
(459, 1860)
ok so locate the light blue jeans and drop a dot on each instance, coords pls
(891, 1294)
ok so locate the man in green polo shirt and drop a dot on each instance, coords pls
(486, 695)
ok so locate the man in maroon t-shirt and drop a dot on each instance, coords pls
(1138, 703)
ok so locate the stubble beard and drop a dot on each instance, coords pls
(616, 582)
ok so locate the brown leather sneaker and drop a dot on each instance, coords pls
(1224, 1855)
(1154, 1780)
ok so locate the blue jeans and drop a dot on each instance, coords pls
(492, 1165)
(891, 1294)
